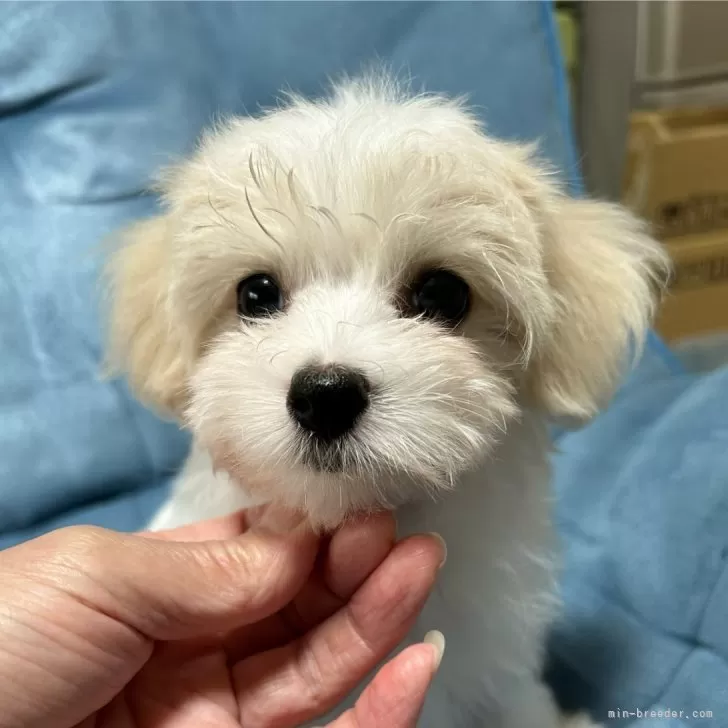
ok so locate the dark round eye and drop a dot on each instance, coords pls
(442, 295)
(259, 295)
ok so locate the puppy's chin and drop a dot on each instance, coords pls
(329, 485)
(327, 457)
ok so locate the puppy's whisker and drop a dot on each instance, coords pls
(314, 219)
(326, 213)
(404, 217)
(262, 341)
(258, 221)
(368, 218)
(227, 222)
(293, 189)
(375, 365)
(253, 173)
(272, 360)
(280, 213)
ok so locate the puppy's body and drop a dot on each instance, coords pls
(366, 303)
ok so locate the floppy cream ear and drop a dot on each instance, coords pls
(606, 274)
(143, 341)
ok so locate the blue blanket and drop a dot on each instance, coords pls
(643, 510)
(94, 97)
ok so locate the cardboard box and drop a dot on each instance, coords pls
(697, 302)
(677, 179)
(677, 170)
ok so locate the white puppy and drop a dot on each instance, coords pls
(365, 303)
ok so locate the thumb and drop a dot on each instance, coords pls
(172, 590)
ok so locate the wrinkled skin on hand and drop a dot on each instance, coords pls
(249, 620)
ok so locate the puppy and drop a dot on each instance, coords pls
(367, 303)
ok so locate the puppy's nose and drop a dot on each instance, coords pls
(327, 400)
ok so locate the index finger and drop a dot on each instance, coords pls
(213, 529)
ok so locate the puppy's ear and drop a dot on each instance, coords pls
(606, 273)
(143, 342)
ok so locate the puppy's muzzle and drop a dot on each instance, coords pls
(326, 401)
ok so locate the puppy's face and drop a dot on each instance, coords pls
(347, 302)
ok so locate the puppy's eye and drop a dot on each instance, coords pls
(259, 295)
(442, 295)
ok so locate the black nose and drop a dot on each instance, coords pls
(327, 400)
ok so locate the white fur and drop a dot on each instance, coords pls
(346, 201)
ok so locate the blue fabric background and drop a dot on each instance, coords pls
(95, 97)
(643, 510)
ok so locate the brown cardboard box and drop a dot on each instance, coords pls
(677, 178)
(697, 302)
(677, 170)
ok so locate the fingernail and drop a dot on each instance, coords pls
(437, 640)
(441, 540)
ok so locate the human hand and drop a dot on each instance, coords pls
(249, 621)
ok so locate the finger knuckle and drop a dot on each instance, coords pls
(82, 544)
(312, 675)
(71, 555)
(239, 569)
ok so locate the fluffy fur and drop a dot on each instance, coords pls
(346, 201)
